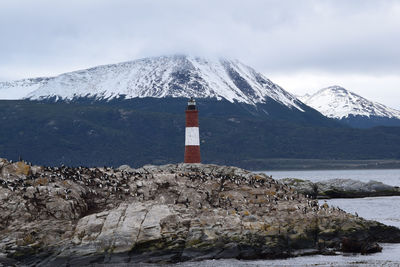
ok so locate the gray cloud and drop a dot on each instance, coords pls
(282, 37)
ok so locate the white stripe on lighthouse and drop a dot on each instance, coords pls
(192, 136)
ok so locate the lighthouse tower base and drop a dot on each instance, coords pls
(192, 154)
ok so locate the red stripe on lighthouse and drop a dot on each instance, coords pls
(192, 118)
(192, 138)
(192, 154)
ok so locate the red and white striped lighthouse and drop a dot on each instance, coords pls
(192, 138)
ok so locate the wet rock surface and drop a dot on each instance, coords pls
(79, 216)
(342, 188)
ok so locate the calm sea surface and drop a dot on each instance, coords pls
(383, 209)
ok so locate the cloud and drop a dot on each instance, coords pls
(45, 37)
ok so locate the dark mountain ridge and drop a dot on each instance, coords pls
(151, 130)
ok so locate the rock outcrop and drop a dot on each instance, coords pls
(76, 216)
(342, 188)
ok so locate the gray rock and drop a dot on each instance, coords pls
(169, 213)
(342, 188)
(125, 168)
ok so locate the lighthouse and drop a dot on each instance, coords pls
(192, 137)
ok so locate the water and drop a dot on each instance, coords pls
(382, 209)
(388, 258)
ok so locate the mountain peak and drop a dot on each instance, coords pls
(163, 76)
(338, 102)
(334, 87)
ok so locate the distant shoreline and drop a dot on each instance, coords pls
(318, 164)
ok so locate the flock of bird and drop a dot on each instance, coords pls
(282, 192)
(115, 181)
(91, 178)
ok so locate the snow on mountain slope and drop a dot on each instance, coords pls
(337, 102)
(166, 76)
(20, 89)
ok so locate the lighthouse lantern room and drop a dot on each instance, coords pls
(192, 138)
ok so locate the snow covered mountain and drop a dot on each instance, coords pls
(159, 77)
(21, 88)
(339, 103)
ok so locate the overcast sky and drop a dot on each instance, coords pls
(301, 45)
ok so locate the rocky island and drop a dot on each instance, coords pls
(342, 188)
(78, 216)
